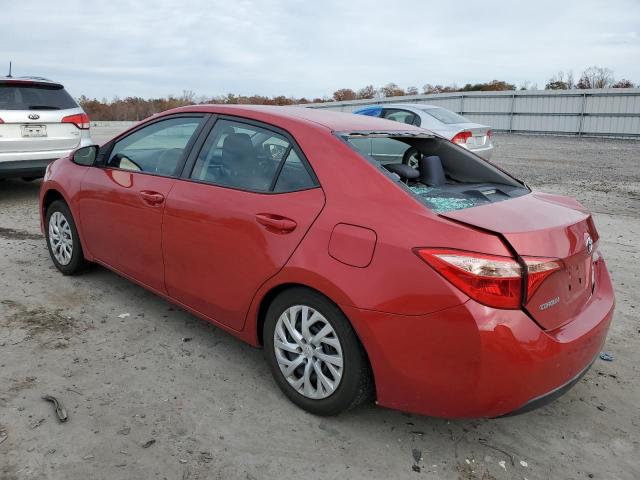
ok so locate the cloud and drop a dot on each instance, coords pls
(303, 48)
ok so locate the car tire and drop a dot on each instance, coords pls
(317, 352)
(63, 241)
(411, 157)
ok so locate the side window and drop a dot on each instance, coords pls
(401, 116)
(247, 157)
(157, 148)
(294, 175)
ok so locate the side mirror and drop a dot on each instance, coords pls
(86, 155)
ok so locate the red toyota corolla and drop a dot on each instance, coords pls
(367, 257)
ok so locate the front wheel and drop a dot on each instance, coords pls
(314, 354)
(63, 241)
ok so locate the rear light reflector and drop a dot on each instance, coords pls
(461, 138)
(492, 280)
(80, 120)
(538, 269)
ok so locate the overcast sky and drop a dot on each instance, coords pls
(310, 48)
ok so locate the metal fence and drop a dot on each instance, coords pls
(610, 112)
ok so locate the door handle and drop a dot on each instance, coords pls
(151, 197)
(276, 222)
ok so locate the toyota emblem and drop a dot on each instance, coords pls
(589, 244)
(34, 116)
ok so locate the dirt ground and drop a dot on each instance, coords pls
(131, 368)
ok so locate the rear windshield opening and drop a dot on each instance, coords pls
(34, 96)
(443, 176)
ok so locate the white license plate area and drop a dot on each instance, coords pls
(33, 131)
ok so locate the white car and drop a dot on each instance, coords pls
(39, 123)
(472, 136)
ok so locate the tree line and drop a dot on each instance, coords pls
(137, 108)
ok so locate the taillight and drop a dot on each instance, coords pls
(538, 269)
(80, 120)
(1, 121)
(490, 133)
(492, 280)
(461, 137)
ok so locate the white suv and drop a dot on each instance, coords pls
(39, 123)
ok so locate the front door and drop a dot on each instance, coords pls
(121, 202)
(230, 226)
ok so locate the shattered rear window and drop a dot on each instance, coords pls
(441, 201)
(442, 176)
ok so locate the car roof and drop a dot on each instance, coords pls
(413, 106)
(28, 79)
(335, 121)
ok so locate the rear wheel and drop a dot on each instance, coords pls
(314, 354)
(63, 241)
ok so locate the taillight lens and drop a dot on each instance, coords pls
(462, 137)
(538, 269)
(490, 133)
(80, 120)
(1, 121)
(492, 280)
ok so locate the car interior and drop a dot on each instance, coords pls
(440, 174)
(245, 159)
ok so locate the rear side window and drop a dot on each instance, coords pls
(156, 148)
(35, 97)
(294, 175)
(445, 116)
(402, 116)
(248, 157)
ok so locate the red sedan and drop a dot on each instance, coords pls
(367, 257)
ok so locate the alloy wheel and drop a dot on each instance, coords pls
(308, 352)
(60, 238)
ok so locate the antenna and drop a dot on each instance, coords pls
(9, 76)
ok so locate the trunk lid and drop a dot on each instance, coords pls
(31, 113)
(20, 133)
(552, 226)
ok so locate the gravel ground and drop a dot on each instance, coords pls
(119, 358)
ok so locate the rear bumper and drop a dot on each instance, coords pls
(550, 396)
(476, 361)
(484, 152)
(24, 168)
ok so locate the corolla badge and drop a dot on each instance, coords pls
(550, 303)
(589, 244)
(34, 116)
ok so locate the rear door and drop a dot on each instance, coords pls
(247, 200)
(34, 117)
(121, 202)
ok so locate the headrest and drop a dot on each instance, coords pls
(237, 144)
(431, 171)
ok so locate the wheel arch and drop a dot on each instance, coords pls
(274, 290)
(50, 196)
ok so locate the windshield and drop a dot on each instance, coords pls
(445, 116)
(34, 97)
